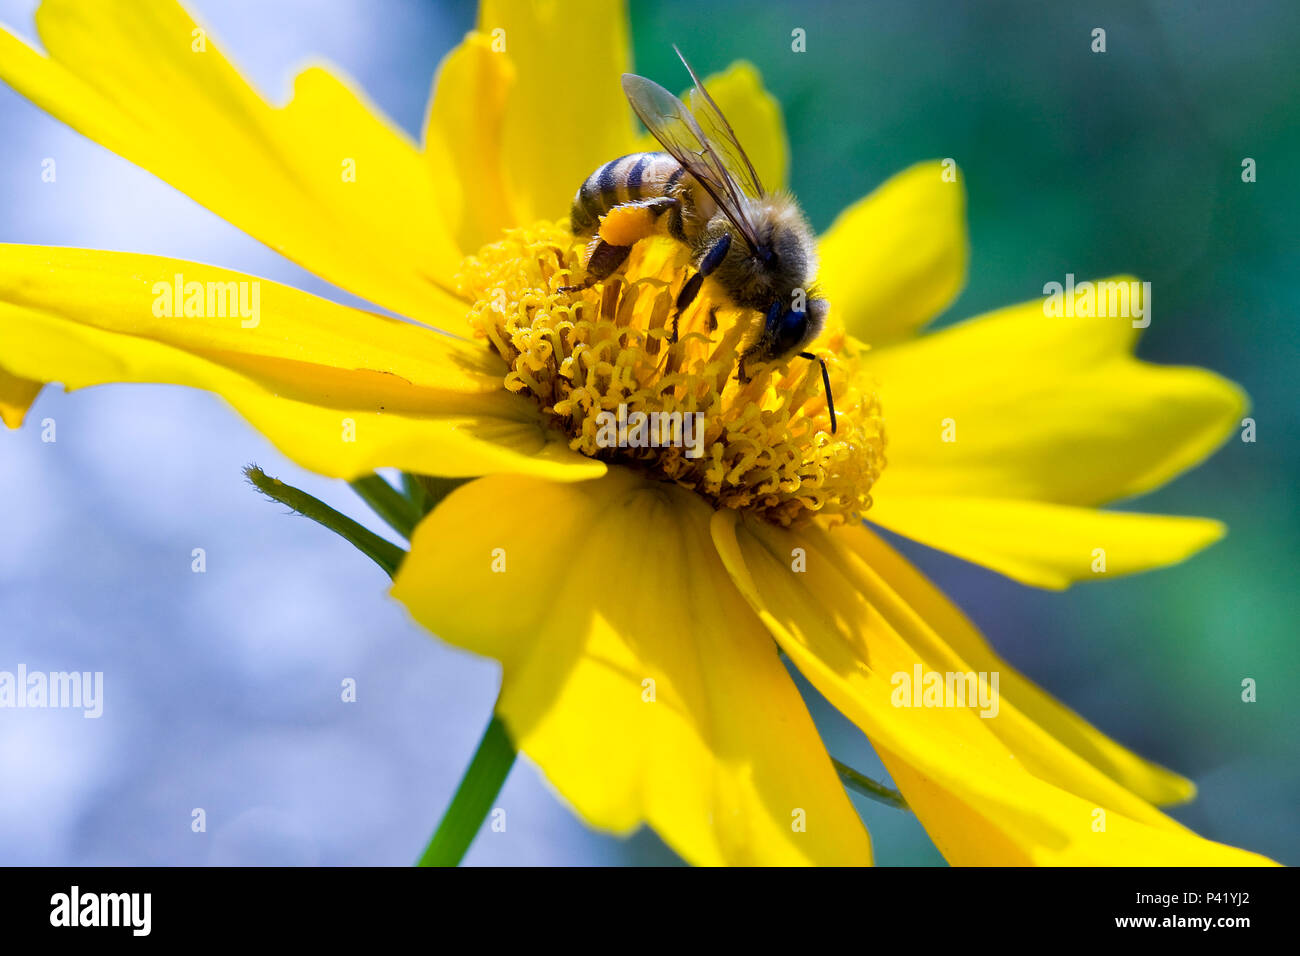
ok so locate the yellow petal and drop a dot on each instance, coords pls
(633, 673)
(566, 114)
(990, 791)
(755, 116)
(894, 260)
(465, 120)
(16, 396)
(892, 637)
(325, 180)
(1148, 780)
(1045, 545)
(139, 295)
(339, 390)
(1019, 405)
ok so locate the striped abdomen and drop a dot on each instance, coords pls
(626, 179)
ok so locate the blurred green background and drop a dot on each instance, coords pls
(1094, 163)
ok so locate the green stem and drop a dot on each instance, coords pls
(389, 503)
(384, 553)
(861, 783)
(435, 488)
(414, 491)
(478, 789)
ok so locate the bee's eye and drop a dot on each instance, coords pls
(790, 331)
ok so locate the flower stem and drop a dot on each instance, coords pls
(414, 491)
(861, 783)
(389, 503)
(384, 553)
(435, 489)
(478, 788)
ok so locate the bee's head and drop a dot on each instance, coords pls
(787, 329)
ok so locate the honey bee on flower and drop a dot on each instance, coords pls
(704, 192)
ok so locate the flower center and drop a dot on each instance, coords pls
(602, 363)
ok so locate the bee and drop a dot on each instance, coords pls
(703, 192)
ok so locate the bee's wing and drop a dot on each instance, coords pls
(671, 122)
(721, 136)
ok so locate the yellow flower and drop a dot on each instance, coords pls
(643, 588)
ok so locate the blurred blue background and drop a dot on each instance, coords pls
(222, 689)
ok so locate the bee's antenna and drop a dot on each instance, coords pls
(826, 381)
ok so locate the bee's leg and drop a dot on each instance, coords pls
(711, 260)
(660, 205)
(826, 383)
(684, 298)
(620, 229)
(605, 260)
(742, 376)
(602, 262)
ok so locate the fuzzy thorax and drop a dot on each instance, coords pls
(766, 444)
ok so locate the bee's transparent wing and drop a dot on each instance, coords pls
(671, 122)
(720, 135)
